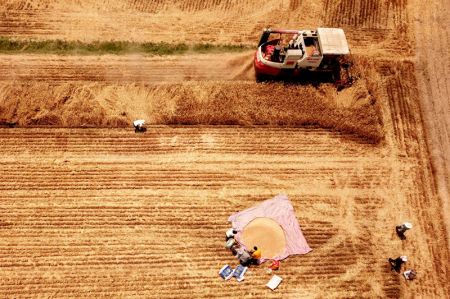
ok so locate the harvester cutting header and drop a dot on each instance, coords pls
(287, 52)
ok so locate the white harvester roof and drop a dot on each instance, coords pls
(333, 41)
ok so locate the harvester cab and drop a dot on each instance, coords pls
(282, 51)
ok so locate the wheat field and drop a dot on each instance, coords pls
(91, 209)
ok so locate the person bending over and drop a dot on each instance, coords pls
(397, 263)
(256, 255)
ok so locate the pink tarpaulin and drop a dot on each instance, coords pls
(281, 210)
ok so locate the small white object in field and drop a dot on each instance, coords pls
(407, 225)
(274, 282)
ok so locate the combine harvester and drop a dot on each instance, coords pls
(287, 54)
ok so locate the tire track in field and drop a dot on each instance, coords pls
(432, 65)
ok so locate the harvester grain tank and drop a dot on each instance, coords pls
(284, 52)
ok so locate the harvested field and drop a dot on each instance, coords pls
(136, 191)
(377, 26)
(112, 206)
(432, 71)
(104, 212)
(130, 68)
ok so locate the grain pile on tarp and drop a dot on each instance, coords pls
(260, 226)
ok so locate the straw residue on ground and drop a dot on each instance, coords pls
(353, 110)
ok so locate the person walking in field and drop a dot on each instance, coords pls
(397, 263)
